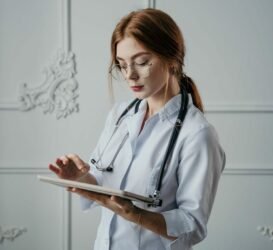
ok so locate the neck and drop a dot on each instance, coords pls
(155, 103)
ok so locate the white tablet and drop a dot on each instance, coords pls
(95, 188)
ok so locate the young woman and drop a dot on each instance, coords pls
(165, 126)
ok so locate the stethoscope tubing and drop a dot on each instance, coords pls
(110, 167)
(177, 127)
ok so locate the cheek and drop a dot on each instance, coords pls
(158, 77)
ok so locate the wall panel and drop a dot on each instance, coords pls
(31, 213)
(229, 55)
(242, 205)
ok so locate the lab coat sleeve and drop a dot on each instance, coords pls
(201, 163)
(104, 137)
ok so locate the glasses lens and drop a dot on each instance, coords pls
(121, 74)
(116, 73)
(143, 70)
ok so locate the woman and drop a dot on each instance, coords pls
(148, 51)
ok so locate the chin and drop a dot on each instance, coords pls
(140, 95)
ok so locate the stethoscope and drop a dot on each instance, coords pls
(177, 127)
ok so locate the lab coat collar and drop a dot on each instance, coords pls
(134, 121)
(168, 109)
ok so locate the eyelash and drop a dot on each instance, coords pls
(139, 64)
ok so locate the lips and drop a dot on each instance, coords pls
(137, 88)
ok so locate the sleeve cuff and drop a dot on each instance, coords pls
(178, 223)
(184, 227)
(178, 244)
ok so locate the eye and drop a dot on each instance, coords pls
(142, 63)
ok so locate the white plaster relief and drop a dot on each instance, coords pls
(11, 233)
(266, 231)
(59, 91)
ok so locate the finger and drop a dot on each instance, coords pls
(54, 169)
(99, 198)
(85, 169)
(81, 165)
(121, 202)
(64, 159)
(116, 201)
(59, 163)
(125, 206)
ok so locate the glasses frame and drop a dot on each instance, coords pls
(119, 69)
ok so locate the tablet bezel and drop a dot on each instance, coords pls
(95, 188)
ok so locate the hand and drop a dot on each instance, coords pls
(70, 167)
(120, 206)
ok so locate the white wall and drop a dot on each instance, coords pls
(229, 55)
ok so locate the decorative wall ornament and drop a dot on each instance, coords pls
(11, 233)
(58, 92)
(266, 231)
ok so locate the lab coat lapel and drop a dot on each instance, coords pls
(134, 123)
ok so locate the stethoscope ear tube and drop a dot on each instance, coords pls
(110, 168)
(135, 101)
(174, 136)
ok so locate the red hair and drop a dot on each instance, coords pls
(158, 33)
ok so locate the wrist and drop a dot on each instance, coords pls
(136, 214)
(83, 178)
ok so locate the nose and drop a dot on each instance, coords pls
(131, 73)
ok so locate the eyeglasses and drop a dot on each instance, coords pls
(120, 70)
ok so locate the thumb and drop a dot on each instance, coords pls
(119, 201)
(85, 169)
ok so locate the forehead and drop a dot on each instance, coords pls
(128, 47)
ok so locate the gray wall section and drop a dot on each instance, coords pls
(230, 57)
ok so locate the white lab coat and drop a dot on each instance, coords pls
(189, 184)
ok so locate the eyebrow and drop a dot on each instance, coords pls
(134, 56)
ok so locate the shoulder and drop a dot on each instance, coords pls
(116, 110)
(196, 125)
(202, 141)
(201, 138)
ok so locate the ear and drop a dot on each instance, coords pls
(172, 69)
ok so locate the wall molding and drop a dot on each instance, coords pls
(211, 108)
(239, 108)
(151, 4)
(67, 217)
(231, 169)
(58, 93)
(248, 171)
(9, 105)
